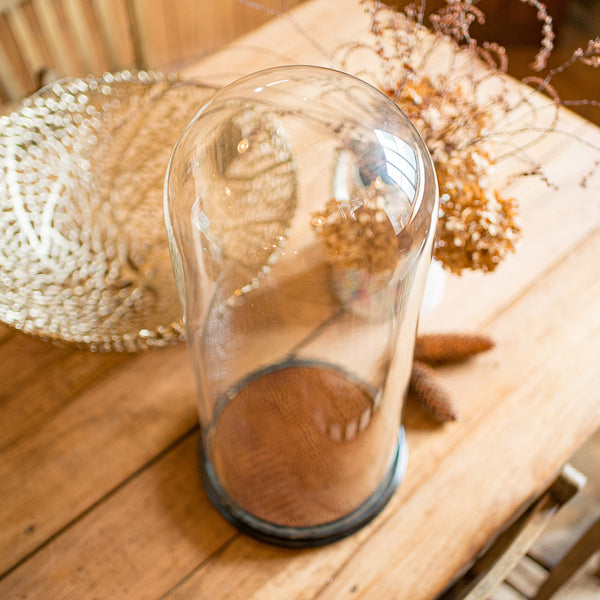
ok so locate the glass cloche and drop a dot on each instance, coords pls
(301, 205)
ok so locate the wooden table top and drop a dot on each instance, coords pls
(100, 495)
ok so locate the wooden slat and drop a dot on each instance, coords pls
(12, 88)
(113, 21)
(27, 40)
(136, 35)
(84, 36)
(11, 84)
(164, 508)
(535, 522)
(48, 383)
(56, 37)
(490, 570)
(576, 557)
(84, 450)
(152, 37)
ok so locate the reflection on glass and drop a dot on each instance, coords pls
(303, 230)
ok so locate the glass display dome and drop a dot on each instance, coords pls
(301, 205)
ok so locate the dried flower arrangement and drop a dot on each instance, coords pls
(453, 88)
(470, 122)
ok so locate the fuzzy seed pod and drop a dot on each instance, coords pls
(449, 348)
(426, 388)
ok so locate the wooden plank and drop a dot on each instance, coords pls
(27, 40)
(466, 385)
(161, 525)
(46, 385)
(116, 32)
(56, 36)
(535, 521)
(497, 471)
(21, 358)
(85, 37)
(11, 84)
(86, 449)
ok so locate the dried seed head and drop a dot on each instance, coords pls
(367, 241)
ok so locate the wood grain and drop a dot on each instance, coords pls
(46, 387)
(87, 448)
(100, 492)
(159, 526)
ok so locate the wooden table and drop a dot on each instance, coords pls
(99, 489)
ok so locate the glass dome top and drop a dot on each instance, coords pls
(290, 139)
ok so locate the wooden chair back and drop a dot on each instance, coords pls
(41, 40)
(50, 39)
(496, 562)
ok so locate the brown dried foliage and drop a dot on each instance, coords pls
(464, 124)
